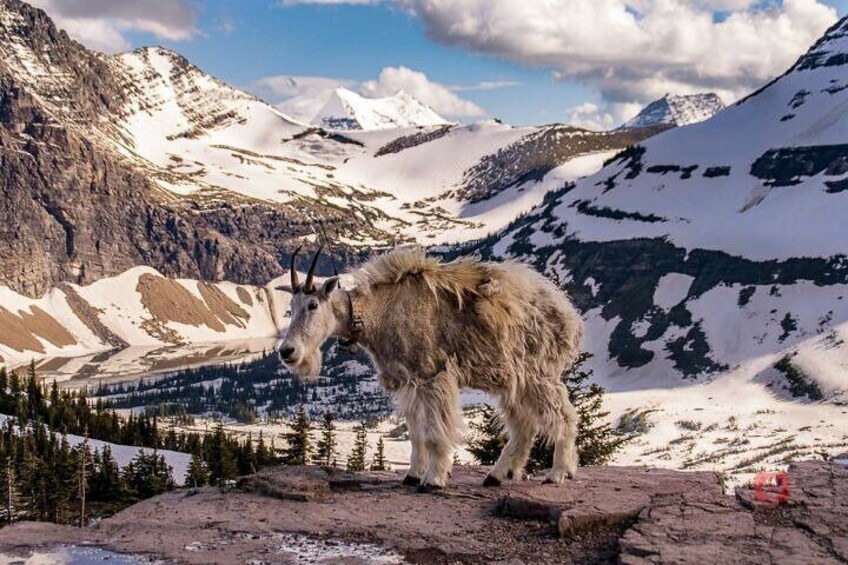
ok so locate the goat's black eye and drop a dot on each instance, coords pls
(312, 305)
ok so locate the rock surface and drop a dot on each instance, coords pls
(608, 514)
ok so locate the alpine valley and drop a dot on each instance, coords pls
(149, 210)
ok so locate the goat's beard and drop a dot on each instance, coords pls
(309, 367)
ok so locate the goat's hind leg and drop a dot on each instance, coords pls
(521, 430)
(560, 424)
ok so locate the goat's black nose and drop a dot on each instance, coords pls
(286, 352)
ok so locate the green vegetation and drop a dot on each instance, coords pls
(379, 463)
(356, 459)
(585, 208)
(799, 384)
(45, 478)
(326, 451)
(721, 171)
(298, 443)
(691, 425)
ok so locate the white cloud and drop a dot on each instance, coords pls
(101, 24)
(590, 116)
(303, 97)
(437, 96)
(635, 50)
(485, 85)
(601, 117)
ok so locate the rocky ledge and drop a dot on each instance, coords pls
(630, 515)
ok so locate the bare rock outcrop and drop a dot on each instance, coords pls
(632, 515)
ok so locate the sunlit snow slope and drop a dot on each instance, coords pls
(710, 263)
(404, 167)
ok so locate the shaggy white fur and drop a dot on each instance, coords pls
(432, 328)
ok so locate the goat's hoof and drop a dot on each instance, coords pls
(410, 481)
(558, 477)
(491, 481)
(428, 488)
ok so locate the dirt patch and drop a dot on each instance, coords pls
(169, 301)
(222, 305)
(20, 332)
(89, 316)
(244, 296)
(53, 364)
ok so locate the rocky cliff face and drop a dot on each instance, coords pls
(74, 209)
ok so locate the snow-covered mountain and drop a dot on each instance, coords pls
(347, 110)
(711, 266)
(162, 165)
(677, 110)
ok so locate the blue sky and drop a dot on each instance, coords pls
(521, 45)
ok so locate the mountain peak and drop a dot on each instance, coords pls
(831, 50)
(678, 110)
(346, 110)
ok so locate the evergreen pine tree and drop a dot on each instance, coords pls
(356, 459)
(325, 453)
(488, 440)
(298, 442)
(197, 474)
(246, 457)
(148, 475)
(264, 455)
(82, 459)
(30, 481)
(221, 456)
(106, 482)
(61, 488)
(10, 494)
(379, 463)
(597, 441)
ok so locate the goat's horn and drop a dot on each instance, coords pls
(308, 286)
(293, 270)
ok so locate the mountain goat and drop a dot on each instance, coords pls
(432, 328)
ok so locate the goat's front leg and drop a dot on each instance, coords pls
(418, 459)
(432, 410)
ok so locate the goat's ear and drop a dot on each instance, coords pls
(284, 288)
(329, 286)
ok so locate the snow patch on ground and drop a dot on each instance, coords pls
(672, 289)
